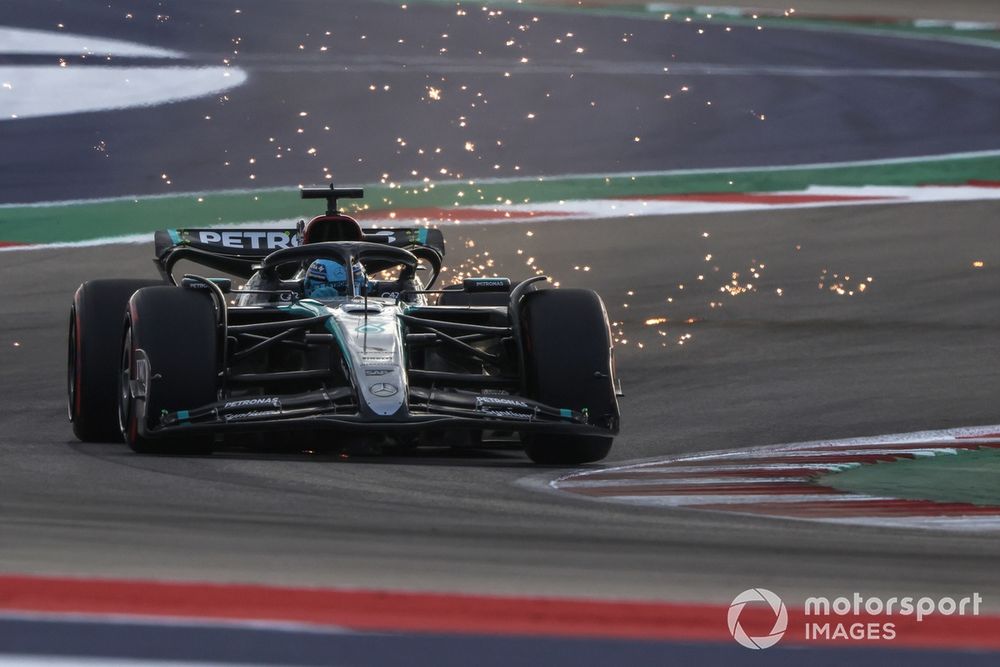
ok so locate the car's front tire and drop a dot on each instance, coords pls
(569, 364)
(172, 331)
(95, 321)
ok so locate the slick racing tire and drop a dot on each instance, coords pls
(95, 324)
(173, 331)
(569, 364)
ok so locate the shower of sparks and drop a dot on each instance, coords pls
(842, 285)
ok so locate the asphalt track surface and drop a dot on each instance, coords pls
(916, 351)
(872, 96)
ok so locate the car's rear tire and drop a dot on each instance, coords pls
(174, 330)
(569, 364)
(95, 323)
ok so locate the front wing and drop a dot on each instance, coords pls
(334, 409)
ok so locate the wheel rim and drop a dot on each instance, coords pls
(124, 391)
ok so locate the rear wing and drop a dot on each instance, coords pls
(248, 243)
(236, 251)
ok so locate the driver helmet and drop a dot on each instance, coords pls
(327, 279)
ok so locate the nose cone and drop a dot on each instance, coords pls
(374, 346)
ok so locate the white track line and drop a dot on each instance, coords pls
(47, 42)
(35, 91)
(625, 175)
(137, 239)
(693, 501)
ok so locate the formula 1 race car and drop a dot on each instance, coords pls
(337, 335)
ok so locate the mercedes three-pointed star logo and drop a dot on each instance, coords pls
(383, 389)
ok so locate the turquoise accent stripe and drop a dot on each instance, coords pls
(566, 414)
(315, 309)
(175, 237)
(422, 235)
(183, 415)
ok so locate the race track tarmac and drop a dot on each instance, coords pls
(916, 351)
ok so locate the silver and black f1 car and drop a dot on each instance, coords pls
(180, 365)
